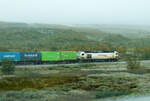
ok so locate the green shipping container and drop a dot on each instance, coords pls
(50, 56)
(68, 55)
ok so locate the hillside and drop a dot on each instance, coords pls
(40, 37)
(130, 31)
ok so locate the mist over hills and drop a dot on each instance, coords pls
(125, 30)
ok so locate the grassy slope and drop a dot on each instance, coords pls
(124, 35)
(130, 31)
(40, 36)
(60, 37)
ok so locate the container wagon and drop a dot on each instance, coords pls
(68, 56)
(11, 56)
(59, 57)
(30, 57)
(50, 57)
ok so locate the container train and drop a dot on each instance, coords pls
(59, 56)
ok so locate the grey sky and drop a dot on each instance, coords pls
(76, 11)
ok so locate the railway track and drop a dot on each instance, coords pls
(143, 62)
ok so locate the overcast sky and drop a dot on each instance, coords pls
(76, 11)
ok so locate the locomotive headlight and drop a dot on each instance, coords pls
(81, 55)
(116, 54)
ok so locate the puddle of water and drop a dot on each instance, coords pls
(140, 98)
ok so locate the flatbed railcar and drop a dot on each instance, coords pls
(47, 57)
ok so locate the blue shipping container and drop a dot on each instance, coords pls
(30, 56)
(13, 56)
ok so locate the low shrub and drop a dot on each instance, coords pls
(44, 96)
(133, 63)
(8, 67)
(20, 83)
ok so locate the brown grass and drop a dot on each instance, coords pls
(18, 83)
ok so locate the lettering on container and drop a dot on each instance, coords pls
(30, 55)
(9, 56)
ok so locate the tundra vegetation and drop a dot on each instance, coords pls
(85, 82)
(7, 67)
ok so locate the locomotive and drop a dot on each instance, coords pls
(59, 56)
(98, 55)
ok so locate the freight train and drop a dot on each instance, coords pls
(59, 56)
